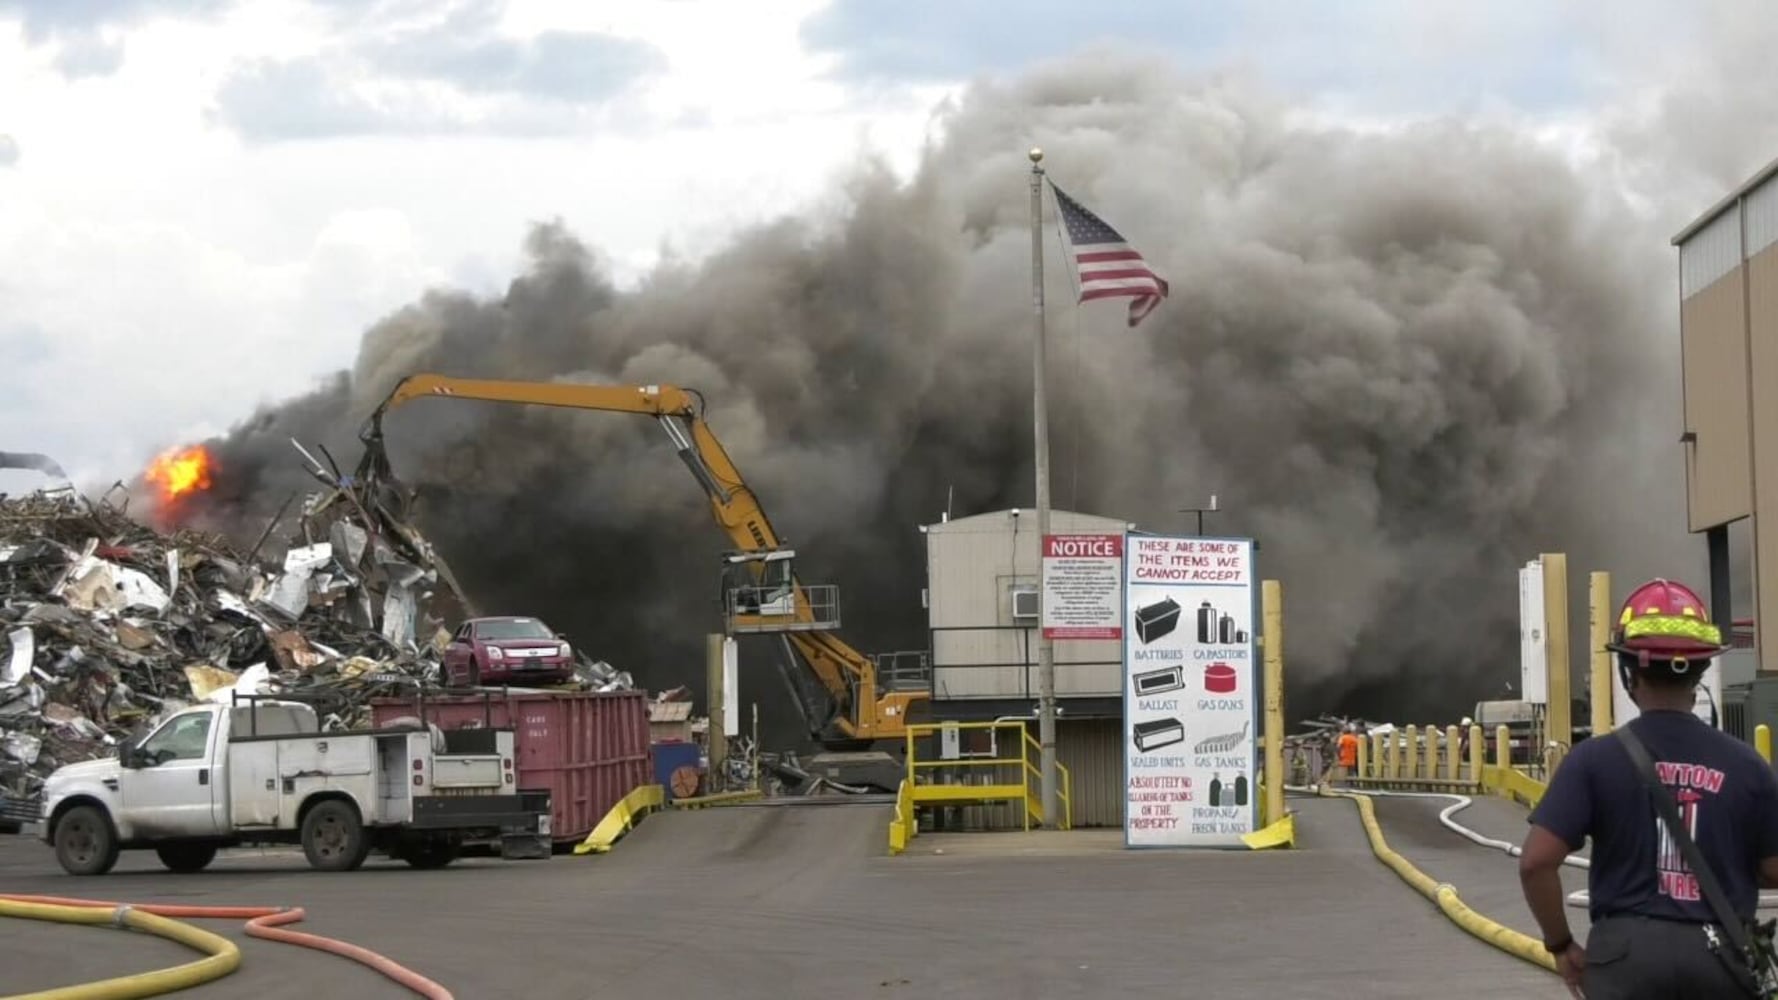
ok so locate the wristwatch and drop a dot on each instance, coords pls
(1559, 946)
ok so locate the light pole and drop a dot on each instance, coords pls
(1048, 779)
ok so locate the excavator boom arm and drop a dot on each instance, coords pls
(647, 399)
(848, 676)
(680, 412)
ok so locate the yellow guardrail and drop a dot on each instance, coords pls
(622, 818)
(716, 799)
(903, 827)
(1008, 778)
(1512, 783)
(1431, 760)
(643, 800)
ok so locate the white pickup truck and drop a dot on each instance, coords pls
(260, 771)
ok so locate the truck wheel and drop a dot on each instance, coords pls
(429, 853)
(333, 839)
(85, 842)
(186, 858)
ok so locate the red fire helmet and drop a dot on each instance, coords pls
(1664, 620)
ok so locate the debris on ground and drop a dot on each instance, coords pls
(109, 624)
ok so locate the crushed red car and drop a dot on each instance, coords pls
(506, 650)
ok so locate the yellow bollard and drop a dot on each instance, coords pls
(1453, 748)
(1392, 756)
(1272, 614)
(1503, 748)
(1410, 749)
(1599, 688)
(1558, 724)
(1376, 742)
(1478, 753)
(1762, 741)
(1364, 759)
(1430, 768)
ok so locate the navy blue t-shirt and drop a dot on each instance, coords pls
(1725, 792)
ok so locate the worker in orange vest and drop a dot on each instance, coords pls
(1349, 751)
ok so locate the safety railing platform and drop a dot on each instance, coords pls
(804, 608)
(974, 766)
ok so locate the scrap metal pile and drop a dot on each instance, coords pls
(108, 624)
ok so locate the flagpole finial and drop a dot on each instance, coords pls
(1036, 155)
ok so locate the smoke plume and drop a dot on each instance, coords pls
(1406, 362)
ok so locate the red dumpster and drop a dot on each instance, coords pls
(588, 749)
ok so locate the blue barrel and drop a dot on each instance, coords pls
(670, 757)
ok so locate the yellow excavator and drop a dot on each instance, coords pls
(855, 700)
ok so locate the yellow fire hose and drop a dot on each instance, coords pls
(223, 957)
(1441, 893)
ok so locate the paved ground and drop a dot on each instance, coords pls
(1487, 880)
(778, 903)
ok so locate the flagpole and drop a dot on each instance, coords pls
(1046, 648)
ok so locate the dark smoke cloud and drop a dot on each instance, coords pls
(1407, 362)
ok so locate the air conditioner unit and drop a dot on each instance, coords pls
(1026, 603)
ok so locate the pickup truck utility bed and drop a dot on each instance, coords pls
(261, 771)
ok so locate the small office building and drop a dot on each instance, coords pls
(982, 602)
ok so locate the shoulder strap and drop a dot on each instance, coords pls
(1713, 892)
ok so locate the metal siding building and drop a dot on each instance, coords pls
(984, 647)
(1728, 316)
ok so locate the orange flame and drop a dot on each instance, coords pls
(178, 471)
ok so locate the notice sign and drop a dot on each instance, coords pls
(1190, 692)
(1083, 586)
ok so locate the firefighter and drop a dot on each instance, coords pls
(1653, 934)
(1349, 753)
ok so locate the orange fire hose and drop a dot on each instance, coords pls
(266, 922)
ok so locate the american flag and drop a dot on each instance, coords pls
(1106, 265)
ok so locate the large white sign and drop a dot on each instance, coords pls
(731, 687)
(1534, 646)
(1083, 586)
(1191, 691)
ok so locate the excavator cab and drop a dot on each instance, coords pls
(761, 594)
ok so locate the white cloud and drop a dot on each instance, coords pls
(174, 275)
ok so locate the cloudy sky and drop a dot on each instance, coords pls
(203, 203)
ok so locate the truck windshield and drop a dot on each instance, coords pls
(520, 628)
(185, 737)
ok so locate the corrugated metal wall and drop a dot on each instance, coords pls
(1711, 253)
(1093, 752)
(1762, 217)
